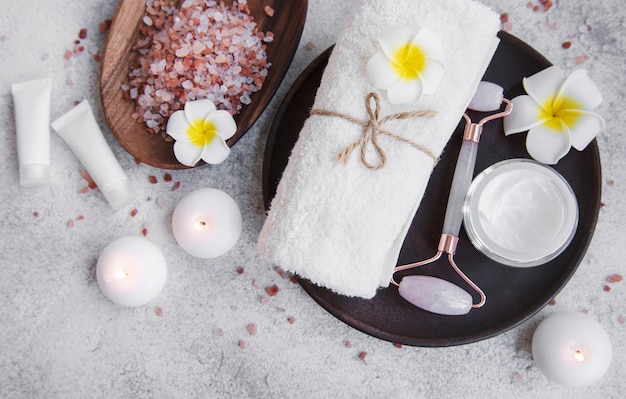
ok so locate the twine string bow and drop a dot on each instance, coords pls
(372, 130)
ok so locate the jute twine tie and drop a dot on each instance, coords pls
(373, 129)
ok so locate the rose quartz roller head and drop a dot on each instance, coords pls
(431, 293)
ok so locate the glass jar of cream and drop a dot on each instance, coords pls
(520, 213)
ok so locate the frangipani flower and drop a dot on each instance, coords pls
(201, 132)
(557, 113)
(408, 64)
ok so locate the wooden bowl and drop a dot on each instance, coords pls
(286, 24)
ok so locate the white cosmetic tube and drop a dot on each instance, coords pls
(31, 101)
(79, 129)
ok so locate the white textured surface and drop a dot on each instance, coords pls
(61, 338)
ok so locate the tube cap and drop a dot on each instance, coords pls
(120, 194)
(34, 175)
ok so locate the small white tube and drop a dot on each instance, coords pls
(79, 129)
(31, 101)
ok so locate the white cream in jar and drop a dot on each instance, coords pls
(520, 213)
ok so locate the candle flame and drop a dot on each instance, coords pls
(579, 355)
(200, 225)
(204, 223)
(121, 274)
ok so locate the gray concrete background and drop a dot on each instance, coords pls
(61, 338)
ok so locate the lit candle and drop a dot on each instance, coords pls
(207, 223)
(572, 349)
(131, 271)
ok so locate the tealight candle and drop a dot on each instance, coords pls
(131, 271)
(572, 349)
(207, 223)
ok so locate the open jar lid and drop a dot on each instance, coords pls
(520, 213)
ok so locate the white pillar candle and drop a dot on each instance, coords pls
(207, 223)
(572, 349)
(131, 271)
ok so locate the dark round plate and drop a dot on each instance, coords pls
(513, 294)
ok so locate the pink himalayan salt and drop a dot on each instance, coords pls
(202, 50)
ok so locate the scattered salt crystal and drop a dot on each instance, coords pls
(273, 290)
(614, 278)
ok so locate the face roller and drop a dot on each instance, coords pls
(431, 293)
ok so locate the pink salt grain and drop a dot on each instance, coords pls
(614, 278)
(273, 290)
(203, 50)
(251, 329)
(280, 271)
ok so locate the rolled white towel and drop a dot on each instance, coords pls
(342, 226)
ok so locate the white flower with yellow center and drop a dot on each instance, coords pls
(408, 64)
(557, 113)
(201, 132)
